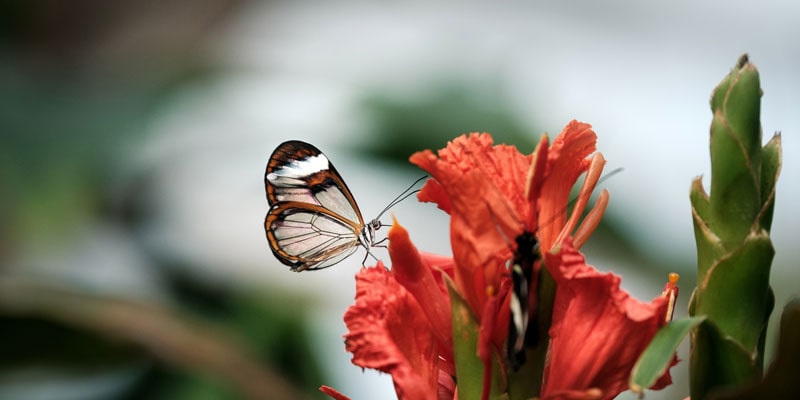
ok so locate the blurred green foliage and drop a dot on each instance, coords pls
(62, 144)
(68, 133)
(400, 126)
(275, 333)
(27, 341)
(224, 343)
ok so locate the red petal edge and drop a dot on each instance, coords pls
(333, 393)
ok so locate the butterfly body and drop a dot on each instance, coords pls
(522, 267)
(313, 221)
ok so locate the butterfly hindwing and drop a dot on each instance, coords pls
(305, 236)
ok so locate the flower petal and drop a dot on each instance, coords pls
(389, 331)
(418, 279)
(593, 174)
(433, 192)
(482, 227)
(333, 393)
(566, 161)
(536, 177)
(598, 330)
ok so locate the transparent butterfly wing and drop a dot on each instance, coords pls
(314, 221)
(309, 237)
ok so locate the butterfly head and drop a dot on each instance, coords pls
(367, 236)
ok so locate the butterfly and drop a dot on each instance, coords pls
(314, 221)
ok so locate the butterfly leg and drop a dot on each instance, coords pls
(364, 261)
(369, 254)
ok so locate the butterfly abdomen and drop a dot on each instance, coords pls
(520, 333)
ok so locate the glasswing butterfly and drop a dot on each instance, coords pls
(313, 221)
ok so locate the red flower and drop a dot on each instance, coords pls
(401, 322)
(493, 193)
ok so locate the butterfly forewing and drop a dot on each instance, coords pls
(314, 221)
(298, 171)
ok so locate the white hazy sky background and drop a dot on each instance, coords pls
(640, 72)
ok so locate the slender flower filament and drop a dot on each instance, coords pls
(671, 293)
(592, 177)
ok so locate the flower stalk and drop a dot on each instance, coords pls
(734, 250)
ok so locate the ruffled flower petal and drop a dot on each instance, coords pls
(389, 332)
(483, 188)
(598, 330)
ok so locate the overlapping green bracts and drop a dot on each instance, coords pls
(734, 250)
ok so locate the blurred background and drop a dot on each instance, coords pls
(134, 136)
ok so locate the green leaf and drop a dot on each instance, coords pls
(708, 244)
(770, 169)
(736, 153)
(717, 362)
(780, 381)
(735, 293)
(656, 358)
(699, 199)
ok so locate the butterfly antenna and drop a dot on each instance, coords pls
(404, 195)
